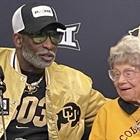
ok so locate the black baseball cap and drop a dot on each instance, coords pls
(33, 17)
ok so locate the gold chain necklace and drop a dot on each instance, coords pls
(33, 87)
(137, 125)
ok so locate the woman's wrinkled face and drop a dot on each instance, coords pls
(128, 82)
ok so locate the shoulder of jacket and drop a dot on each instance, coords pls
(64, 69)
(6, 49)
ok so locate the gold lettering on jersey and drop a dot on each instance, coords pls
(25, 116)
(128, 133)
(39, 120)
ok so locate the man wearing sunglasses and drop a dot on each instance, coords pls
(43, 100)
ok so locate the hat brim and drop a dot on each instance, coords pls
(39, 26)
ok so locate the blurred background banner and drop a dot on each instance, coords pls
(93, 26)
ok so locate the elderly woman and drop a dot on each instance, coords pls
(119, 119)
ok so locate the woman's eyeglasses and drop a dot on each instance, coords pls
(128, 73)
(39, 38)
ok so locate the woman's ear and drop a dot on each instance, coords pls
(17, 39)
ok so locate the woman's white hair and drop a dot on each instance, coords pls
(126, 51)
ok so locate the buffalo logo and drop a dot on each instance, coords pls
(69, 40)
(70, 113)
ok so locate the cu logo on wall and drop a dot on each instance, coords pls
(69, 40)
(70, 113)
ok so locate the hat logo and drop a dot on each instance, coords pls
(40, 11)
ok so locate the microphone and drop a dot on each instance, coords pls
(2, 84)
(2, 90)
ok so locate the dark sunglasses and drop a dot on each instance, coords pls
(40, 37)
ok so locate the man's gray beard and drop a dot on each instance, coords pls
(34, 58)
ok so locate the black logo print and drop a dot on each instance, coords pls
(69, 114)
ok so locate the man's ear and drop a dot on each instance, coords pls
(17, 39)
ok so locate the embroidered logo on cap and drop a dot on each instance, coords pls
(40, 11)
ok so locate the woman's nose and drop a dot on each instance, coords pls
(121, 78)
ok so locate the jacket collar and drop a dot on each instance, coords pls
(15, 64)
(14, 61)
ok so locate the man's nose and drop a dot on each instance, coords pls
(48, 44)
